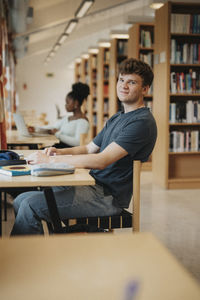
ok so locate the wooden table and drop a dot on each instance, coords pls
(92, 266)
(80, 177)
(15, 139)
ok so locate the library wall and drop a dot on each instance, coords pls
(51, 91)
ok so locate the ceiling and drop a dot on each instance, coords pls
(50, 18)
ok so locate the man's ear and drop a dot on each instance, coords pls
(145, 89)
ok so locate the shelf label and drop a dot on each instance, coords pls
(163, 57)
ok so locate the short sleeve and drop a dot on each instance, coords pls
(133, 136)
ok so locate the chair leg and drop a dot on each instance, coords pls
(5, 206)
(53, 210)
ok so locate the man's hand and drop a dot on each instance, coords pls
(52, 151)
(38, 158)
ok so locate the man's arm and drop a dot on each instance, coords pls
(93, 160)
(86, 149)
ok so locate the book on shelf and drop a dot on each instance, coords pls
(94, 61)
(184, 141)
(122, 47)
(15, 170)
(185, 23)
(106, 56)
(185, 112)
(145, 39)
(184, 53)
(185, 82)
(147, 58)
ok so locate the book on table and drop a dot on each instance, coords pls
(15, 170)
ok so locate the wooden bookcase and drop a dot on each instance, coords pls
(77, 70)
(102, 86)
(141, 46)
(179, 168)
(118, 52)
(92, 99)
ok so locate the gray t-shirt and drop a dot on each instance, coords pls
(134, 131)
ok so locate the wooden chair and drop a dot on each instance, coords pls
(124, 220)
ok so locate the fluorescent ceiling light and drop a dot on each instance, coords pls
(52, 53)
(156, 4)
(56, 47)
(93, 50)
(62, 38)
(119, 35)
(83, 8)
(104, 44)
(70, 26)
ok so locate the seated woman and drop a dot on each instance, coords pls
(69, 129)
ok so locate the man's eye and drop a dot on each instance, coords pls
(131, 82)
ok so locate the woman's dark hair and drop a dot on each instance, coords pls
(134, 66)
(79, 92)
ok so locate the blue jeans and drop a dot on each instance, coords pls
(72, 202)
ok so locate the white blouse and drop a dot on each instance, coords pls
(69, 131)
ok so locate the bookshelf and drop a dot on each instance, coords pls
(118, 52)
(176, 157)
(141, 46)
(77, 70)
(92, 99)
(103, 86)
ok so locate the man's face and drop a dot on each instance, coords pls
(130, 88)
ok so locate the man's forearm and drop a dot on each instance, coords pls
(74, 150)
(87, 161)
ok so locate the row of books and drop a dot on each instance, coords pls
(146, 38)
(149, 104)
(106, 72)
(184, 141)
(106, 56)
(122, 47)
(185, 23)
(185, 82)
(185, 53)
(147, 58)
(185, 112)
(94, 61)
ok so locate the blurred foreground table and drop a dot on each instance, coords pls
(92, 267)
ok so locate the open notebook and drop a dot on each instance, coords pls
(22, 128)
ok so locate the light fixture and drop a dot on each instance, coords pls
(156, 4)
(56, 47)
(78, 60)
(70, 26)
(52, 53)
(85, 55)
(62, 38)
(93, 50)
(119, 35)
(83, 8)
(104, 43)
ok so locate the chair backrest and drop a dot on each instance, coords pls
(136, 195)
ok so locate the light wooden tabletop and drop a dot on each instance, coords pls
(13, 137)
(92, 266)
(80, 177)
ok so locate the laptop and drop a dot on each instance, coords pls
(23, 129)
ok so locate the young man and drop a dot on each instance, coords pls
(127, 136)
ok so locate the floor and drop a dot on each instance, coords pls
(173, 216)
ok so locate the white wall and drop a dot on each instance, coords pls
(42, 92)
